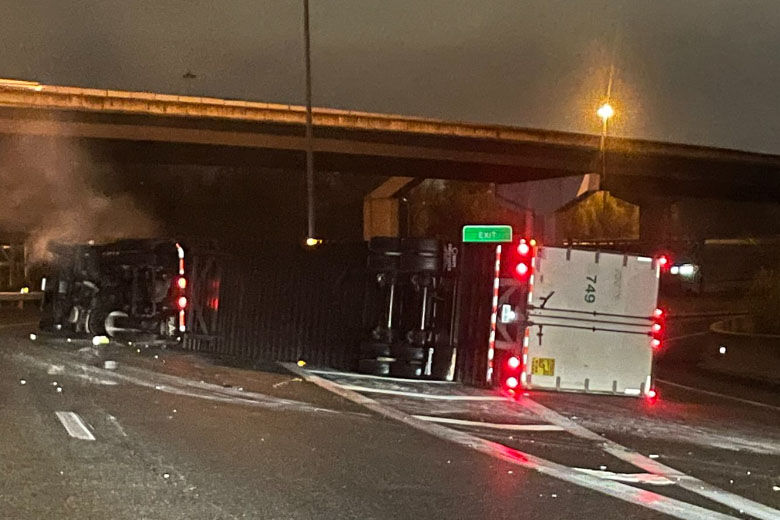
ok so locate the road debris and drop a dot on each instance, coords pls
(653, 456)
(282, 383)
(33, 336)
(100, 340)
(22, 381)
(109, 364)
(59, 389)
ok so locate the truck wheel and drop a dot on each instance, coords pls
(409, 352)
(423, 245)
(374, 367)
(382, 263)
(96, 322)
(416, 263)
(407, 369)
(374, 349)
(383, 245)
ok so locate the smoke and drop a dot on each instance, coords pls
(48, 197)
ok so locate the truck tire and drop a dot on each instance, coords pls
(382, 263)
(407, 369)
(422, 245)
(416, 263)
(374, 349)
(407, 352)
(374, 367)
(95, 322)
(384, 245)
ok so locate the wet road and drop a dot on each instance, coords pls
(178, 437)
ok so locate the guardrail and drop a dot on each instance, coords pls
(21, 297)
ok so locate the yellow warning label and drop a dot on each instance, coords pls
(543, 366)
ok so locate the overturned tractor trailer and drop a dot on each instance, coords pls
(560, 319)
(135, 290)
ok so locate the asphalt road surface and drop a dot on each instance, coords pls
(171, 435)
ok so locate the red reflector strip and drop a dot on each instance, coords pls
(493, 317)
(182, 325)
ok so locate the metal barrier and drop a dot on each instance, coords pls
(21, 297)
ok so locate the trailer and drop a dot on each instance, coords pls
(562, 319)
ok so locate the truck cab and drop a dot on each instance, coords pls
(134, 290)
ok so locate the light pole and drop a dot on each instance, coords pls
(605, 112)
(310, 236)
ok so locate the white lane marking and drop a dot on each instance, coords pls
(687, 482)
(383, 378)
(716, 394)
(418, 395)
(167, 383)
(634, 478)
(685, 336)
(640, 497)
(75, 425)
(494, 426)
(116, 424)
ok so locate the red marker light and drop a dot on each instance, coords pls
(651, 396)
(655, 343)
(511, 382)
(513, 362)
(658, 313)
(523, 248)
(522, 269)
(656, 327)
(182, 302)
(663, 260)
(181, 282)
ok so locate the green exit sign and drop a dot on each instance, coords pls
(487, 233)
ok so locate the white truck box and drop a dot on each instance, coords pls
(590, 316)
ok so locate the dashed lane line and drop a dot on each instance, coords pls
(75, 426)
(636, 496)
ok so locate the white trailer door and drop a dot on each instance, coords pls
(590, 319)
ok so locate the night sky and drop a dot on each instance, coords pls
(694, 71)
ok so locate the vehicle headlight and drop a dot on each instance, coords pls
(687, 270)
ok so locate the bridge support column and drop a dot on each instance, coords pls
(542, 198)
(380, 208)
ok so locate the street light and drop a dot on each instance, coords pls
(605, 111)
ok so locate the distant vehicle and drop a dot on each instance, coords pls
(721, 264)
(576, 320)
(133, 290)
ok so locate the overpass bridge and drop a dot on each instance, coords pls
(142, 127)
